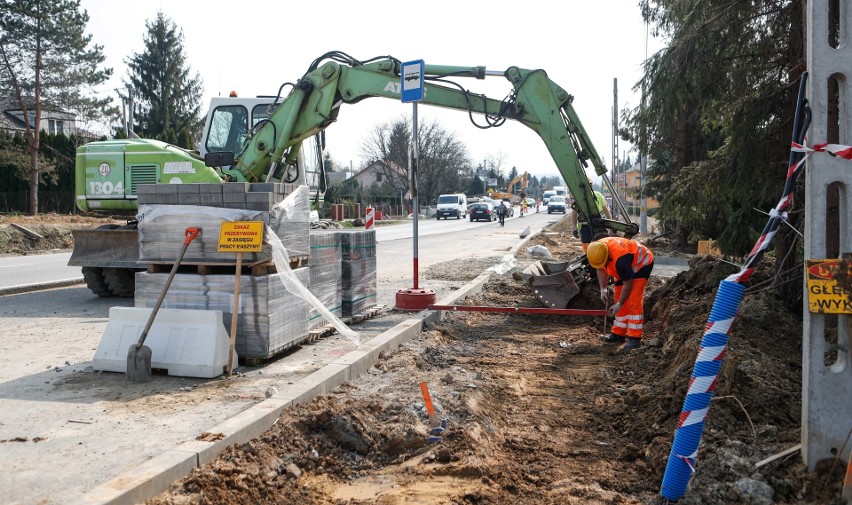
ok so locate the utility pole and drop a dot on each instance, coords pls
(643, 164)
(615, 136)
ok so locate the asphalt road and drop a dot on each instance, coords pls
(36, 268)
(41, 268)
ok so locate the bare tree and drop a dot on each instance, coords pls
(443, 159)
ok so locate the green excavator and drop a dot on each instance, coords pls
(264, 141)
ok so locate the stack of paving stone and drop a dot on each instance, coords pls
(358, 279)
(326, 271)
(166, 210)
(270, 319)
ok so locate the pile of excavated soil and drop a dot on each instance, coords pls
(55, 230)
(539, 411)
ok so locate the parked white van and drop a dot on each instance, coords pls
(452, 205)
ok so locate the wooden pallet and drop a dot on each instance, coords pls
(324, 331)
(316, 334)
(370, 313)
(321, 332)
(265, 267)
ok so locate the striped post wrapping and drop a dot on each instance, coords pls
(371, 214)
(702, 386)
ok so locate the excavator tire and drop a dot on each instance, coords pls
(120, 281)
(94, 277)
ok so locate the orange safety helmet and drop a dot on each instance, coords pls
(597, 254)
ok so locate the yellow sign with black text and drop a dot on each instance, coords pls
(829, 286)
(241, 236)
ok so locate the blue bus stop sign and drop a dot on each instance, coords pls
(411, 81)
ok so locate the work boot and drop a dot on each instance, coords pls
(632, 343)
(612, 338)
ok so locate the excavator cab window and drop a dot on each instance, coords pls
(261, 113)
(228, 129)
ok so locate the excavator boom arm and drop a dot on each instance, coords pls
(536, 101)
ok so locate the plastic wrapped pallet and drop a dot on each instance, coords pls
(290, 220)
(325, 265)
(358, 276)
(161, 230)
(270, 318)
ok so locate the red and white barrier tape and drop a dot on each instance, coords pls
(832, 149)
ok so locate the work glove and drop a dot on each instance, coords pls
(604, 295)
(614, 309)
(576, 233)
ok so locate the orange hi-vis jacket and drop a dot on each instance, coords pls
(618, 247)
(630, 319)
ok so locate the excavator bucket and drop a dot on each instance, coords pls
(552, 282)
(105, 247)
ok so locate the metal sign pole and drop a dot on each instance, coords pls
(411, 89)
(413, 171)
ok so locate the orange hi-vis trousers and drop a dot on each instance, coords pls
(631, 318)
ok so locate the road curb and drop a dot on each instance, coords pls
(39, 286)
(157, 474)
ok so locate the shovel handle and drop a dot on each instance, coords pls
(190, 234)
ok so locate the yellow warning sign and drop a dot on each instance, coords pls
(829, 286)
(241, 236)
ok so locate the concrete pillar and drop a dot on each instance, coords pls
(827, 388)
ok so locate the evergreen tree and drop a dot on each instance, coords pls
(513, 172)
(46, 60)
(169, 97)
(718, 119)
(718, 113)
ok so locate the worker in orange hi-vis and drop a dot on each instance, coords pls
(630, 264)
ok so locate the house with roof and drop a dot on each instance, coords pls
(629, 185)
(379, 172)
(53, 119)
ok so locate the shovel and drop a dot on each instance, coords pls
(139, 356)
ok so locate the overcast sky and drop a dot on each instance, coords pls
(252, 47)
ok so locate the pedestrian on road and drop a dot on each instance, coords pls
(630, 264)
(501, 213)
(583, 230)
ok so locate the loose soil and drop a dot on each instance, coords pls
(539, 411)
(54, 228)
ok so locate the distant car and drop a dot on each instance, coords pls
(531, 203)
(546, 196)
(482, 211)
(557, 204)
